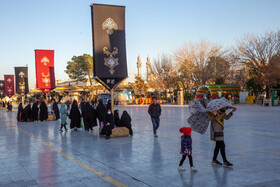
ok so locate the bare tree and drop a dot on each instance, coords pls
(193, 61)
(164, 74)
(258, 53)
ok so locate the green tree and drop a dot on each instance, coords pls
(80, 68)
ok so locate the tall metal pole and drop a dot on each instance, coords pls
(112, 101)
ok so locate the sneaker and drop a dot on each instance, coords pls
(228, 164)
(216, 162)
(155, 135)
(194, 169)
(61, 130)
(180, 168)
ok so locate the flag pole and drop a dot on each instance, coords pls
(112, 101)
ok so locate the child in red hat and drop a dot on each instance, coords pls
(186, 148)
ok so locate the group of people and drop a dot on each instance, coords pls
(87, 115)
(38, 111)
(8, 104)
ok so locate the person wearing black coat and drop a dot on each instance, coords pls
(26, 114)
(56, 110)
(117, 118)
(88, 116)
(19, 114)
(109, 106)
(108, 125)
(101, 111)
(43, 111)
(34, 112)
(126, 121)
(75, 116)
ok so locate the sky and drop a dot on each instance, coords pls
(153, 28)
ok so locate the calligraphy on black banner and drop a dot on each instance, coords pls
(2, 89)
(21, 74)
(109, 49)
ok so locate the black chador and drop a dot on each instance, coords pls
(43, 111)
(34, 112)
(26, 113)
(75, 116)
(19, 114)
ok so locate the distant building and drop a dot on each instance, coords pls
(139, 66)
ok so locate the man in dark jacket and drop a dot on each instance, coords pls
(155, 111)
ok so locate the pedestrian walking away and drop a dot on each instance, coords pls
(155, 112)
(186, 148)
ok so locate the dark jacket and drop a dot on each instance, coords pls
(154, 110)
(186, 145)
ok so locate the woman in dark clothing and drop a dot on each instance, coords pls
(34, 112)
(108, 125)
(19, 114)
(56, 110)
(75, 116)
(109, 106)
(43, 111)
(126, 121)
(88, 117)
(101, 111)
(117, 118)
(26, 114)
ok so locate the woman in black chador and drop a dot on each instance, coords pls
(43, 111)
(126, 121)
(56, 110)
(101, 111)
(34, 112)
(19, 114)
(75, 116)
(108, 125)
(88, 116)
(26, 113)
(117, 118)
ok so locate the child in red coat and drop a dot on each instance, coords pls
(186, 148)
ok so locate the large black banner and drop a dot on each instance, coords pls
(21, 74)
(109, 50)
(2, 89)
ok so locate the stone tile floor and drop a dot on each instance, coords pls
(37, 154)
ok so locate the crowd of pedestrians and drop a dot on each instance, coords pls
(84, 115)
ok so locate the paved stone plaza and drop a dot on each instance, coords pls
(37, 154)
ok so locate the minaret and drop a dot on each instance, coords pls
(148, 66)
(139, 66)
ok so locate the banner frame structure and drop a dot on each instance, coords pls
(109, 46)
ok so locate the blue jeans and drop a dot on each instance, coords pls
(155, 124)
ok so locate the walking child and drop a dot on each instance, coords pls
(64, 114)
(186, 148)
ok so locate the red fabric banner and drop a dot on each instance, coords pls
(9, 85)
(44, 62)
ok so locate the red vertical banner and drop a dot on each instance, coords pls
(9, 85)
(44, 62)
